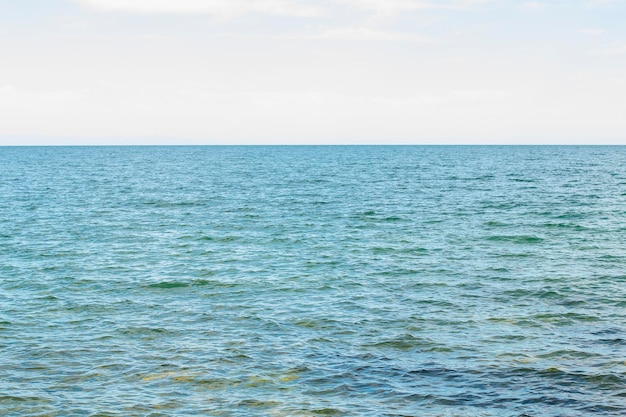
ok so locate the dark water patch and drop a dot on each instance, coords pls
(207, 272)
(172, 204)
(438, 303)
(603, 409)
(521, 293)
(219, 239)
(327, 412)
(211, 283)
(573, 303)
(606, 381)
(393, 219)
(148, 331)
(575, 379)
(48, 298)
(382, 250)
(170, 285)
(173, 285)
(507, 337)
(396, 273)
(373, 216)
(513, 179)
(319, 324)
(565, 226)
(402, 342)
(612, 257)
(546, 400)
(515, 239)
(515, 321)
(434, 373)
(19, 399)
(609, 331)
(565, 318)
(413, 250)
(493, 223)
(567, 354)
(571, 215)
(615, 342)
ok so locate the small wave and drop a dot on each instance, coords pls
(14, 398)
(315, 323)
(171, 204)
(170, 285)
(524, 293)
(146, 331)
(493, 223)
(515, 255)
(571, 215)
(328, 412)
(392, 219)
(403, 342)
(515, 239)
(517, 179)
(257, 403)
(569, 226)
(207, 272)
(192, 283)
(220, 239)
(565, 319)
(567, 354)
(617, 341)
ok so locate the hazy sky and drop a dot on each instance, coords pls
(312, 71)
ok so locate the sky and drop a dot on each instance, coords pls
(76, 72)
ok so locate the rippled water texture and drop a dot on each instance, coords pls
(309, 281)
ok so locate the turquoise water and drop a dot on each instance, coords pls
(308, 281)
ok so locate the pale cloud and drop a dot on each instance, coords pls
(618, 82)
(392, 5)
(600, 2)
(351, 71)
(368, 34)
(399, 5)
(12, 97)
(296, 8)
(534, 5)
(199, 113)
(611, 51)
(593, 32)
(482, 95)
(225, 8)
(55, 111)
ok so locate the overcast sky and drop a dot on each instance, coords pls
(312, 71)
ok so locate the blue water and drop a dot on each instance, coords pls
(311, 281)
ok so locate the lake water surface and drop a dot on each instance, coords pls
(313, 281)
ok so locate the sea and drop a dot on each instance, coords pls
(313, 281)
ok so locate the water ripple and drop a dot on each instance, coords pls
(311, 281)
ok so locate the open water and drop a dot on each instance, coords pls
(313, 281)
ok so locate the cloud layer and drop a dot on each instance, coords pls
(295, 8)
(226, 8)
(315, 71)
